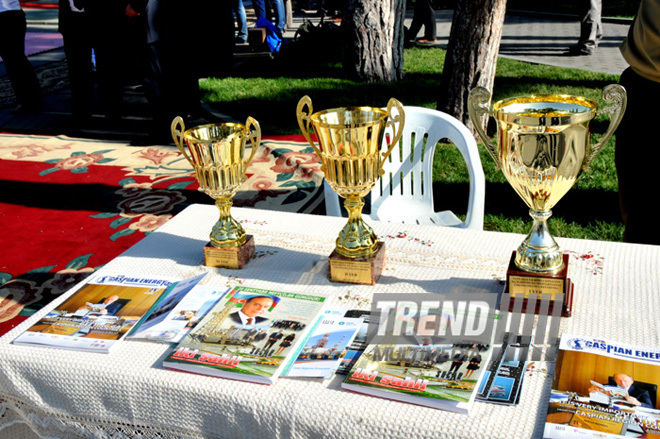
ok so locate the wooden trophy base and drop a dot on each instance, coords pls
(524, 283)
(365, 271)
(229, 257)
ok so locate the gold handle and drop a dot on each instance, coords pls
(478, 106)
(305, 122)
(399, 118)
(253, 137)
(616, 95)
(178, 127)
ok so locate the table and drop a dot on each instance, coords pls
(69, 394)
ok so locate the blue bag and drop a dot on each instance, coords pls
(273, 39)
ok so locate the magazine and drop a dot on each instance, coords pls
(359, 343)
(251, 334)
(327, 344)
(98, 315)
(604, 388)
(507, 370)
(177, 312)
(439, 376)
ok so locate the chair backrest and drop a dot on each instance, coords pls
(405, 192)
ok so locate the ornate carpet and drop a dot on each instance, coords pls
(68, 206)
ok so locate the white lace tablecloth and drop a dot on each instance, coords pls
(51, 393)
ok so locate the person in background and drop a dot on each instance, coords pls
(424, 16)
(24, 81)
(272, 10)
(637, 149)
(182, 45)
(591, 29)
(95, 36)
(241, 22)
(73, 24)
(106, 25)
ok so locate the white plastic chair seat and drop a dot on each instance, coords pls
(414, 212)
(405, 191)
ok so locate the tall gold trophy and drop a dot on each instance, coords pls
(217, 154)
(543, 146)
(350, 140)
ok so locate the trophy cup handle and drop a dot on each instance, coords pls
(616, 95)
(478, 106)
(254, 137)
(305, 122)
(178, 127)
(399, 118)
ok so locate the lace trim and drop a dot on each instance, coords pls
(46, 425)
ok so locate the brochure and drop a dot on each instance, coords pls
(98, 315)
(604, 388)
(439, 376)
(178, 311)
(359, 343)
(508, 370)
(251, 334)
(325, 348)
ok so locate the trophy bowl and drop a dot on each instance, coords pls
(217, 154)
(543, 146)
(349, 144)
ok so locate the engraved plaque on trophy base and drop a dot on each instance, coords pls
(364, 271)
(229, 257)
(519, 282)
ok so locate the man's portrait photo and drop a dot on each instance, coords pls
(253, 310)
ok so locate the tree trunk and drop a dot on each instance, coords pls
(474, 43)
(373, 32)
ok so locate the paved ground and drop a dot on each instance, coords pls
(529, 37)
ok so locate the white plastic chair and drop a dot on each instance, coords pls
(405, 192)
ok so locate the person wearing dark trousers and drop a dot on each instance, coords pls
(424, 15)
(22, 76)
(591, 28)
(73, 24)
(107, 20)
(182, 45)
(241, 22)
(272, 10)
(636, 144)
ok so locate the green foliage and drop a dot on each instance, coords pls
(270, 93)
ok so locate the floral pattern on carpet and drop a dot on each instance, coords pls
(71, 205)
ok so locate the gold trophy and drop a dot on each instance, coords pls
(350, 139)
(543, 146)
(216, 153)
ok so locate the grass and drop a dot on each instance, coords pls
(270, 92)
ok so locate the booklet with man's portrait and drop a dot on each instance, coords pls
(251, 334)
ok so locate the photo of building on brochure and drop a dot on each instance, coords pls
(603, 388)
(439, 376)
(223, 344)
(326, 346)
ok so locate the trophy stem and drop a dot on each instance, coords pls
(356, 239)
(227, 232)
(539, 252)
